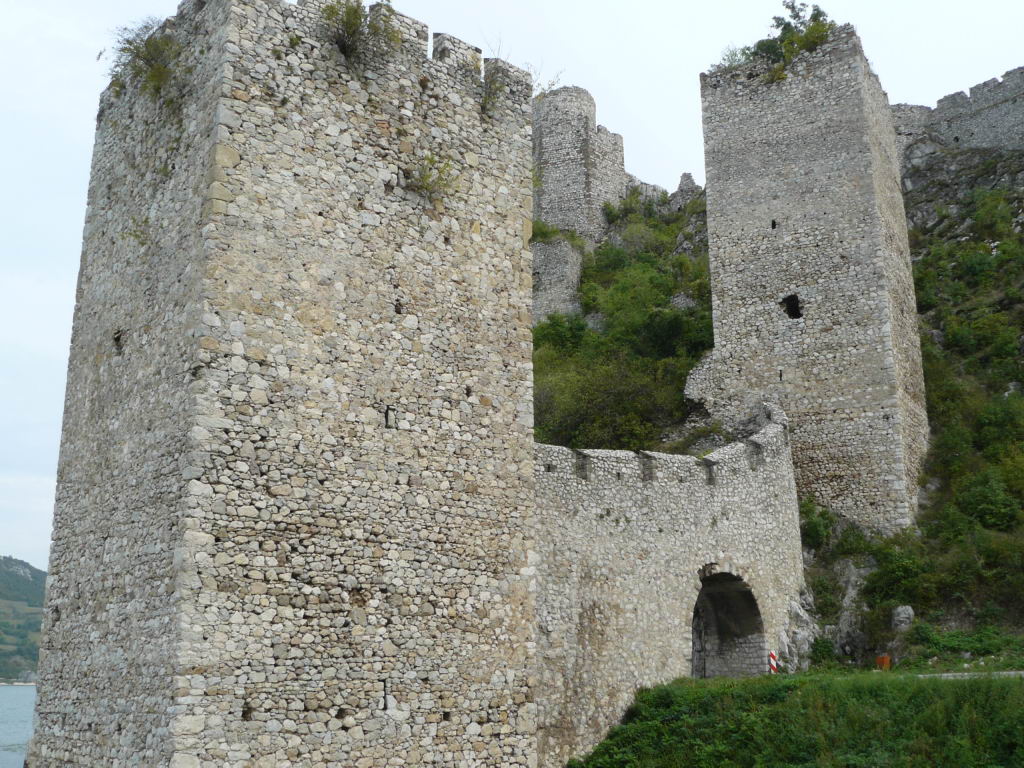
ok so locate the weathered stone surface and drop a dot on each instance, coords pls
(811, 283)
(293, 509)
(556, 279)
(991, 115)
(622, 541)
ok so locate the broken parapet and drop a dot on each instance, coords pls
(990, 116)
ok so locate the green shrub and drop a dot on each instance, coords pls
(797, 32)
(356, 31)
(815, 524)
(148, 57)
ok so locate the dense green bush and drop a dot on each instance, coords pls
(622, 385)
(817, 721)
(796, 32)
(815, 524)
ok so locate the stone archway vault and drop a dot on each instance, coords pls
(728, 632)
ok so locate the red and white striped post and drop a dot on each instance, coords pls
(773, 663)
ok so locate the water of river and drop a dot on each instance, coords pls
(16, 704)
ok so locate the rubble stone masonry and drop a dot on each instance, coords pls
(813, 299)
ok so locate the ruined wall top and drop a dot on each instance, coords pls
(990, 115)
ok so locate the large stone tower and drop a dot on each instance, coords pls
(297, 465)
(812, 289)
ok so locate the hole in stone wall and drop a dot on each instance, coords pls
(399, 308)
(119, 338)
(549, 467)
(775, 224)
(956, 139)
(469, 391)
(389, 417)
(791, 306)
(446, 716)
(246, 711)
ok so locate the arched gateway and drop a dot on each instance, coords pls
(728, 634)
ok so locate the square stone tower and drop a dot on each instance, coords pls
(296, 466)
(813, 295)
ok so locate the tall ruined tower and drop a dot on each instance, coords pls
(812, 290)
(297, 465)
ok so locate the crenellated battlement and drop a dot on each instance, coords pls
(622, 539)
(990, 115)
(738, 460)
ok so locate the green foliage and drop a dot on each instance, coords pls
(357, 32)
(432, 178)
(823, 651)
(545, 233)
(969, 560)
(816, 524)
(147, 57)
(819, 720)
(21, 599)
(622, 386)
(795, 33)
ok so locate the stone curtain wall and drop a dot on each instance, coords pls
(812, 294)
(113, 609)
(991, 116)
(621, 543)
(294, 508)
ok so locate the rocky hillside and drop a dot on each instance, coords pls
(21, 610)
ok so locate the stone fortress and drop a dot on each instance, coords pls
(301, 520)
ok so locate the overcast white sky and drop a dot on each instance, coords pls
(639, 58)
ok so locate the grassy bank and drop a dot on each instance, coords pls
(824, 721)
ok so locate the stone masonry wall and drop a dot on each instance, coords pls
(298, 462)
(813, 301)
(557, 266)
(990, 116)
(622, 540)
(579, 164)
(112, 620)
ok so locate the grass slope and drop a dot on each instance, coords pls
(820, 721)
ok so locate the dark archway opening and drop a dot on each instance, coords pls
(728, 634)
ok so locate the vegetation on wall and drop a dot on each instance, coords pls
(146, 56)
(356, 31)
(816, 720)
(795, 33)
(432, 178)
(618, 381)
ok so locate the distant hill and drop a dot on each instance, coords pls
(21, 612)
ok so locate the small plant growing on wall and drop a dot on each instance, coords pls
(432, 178)
(356, 31)
(149, 57)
